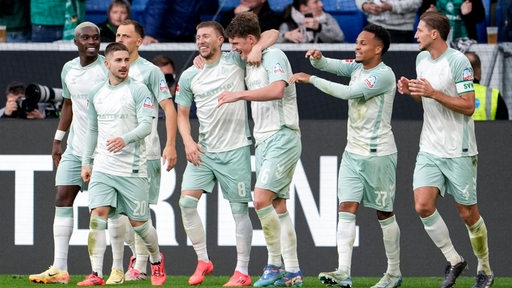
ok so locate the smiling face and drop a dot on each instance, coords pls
(367, 48)
(209, 43)
(242, 45)
(88, 42)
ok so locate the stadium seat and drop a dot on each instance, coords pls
(481, 28)
(279, 5)
(96, 11)
(138, 7)
(350, 19)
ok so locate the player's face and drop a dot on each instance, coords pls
(118, 64)
(126, 35)
(243, 46)
(423, 36)
(88, 42)
(208, 42)
(367, 47)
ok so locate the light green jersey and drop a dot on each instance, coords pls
(270, 116)
(221, 128)
(77, 82)
(125, 110)
(370, 95)
(446, 133)
(146, 72)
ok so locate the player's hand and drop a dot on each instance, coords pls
(299, 78)
(372, 8)
(56, 152)
(227, 97)
(193, 152)
(169, 157)
(254, 57)
(421, 87)
(86, 173)
(115, 145)
(316, 54)
(403, 85)
(199, 62)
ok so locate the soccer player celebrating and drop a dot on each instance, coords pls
(367, 172)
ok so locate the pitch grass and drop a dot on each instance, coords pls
(217, 281)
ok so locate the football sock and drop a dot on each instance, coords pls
(194, 226)
(438, 231)
(148, 234)
(142, 256)
(129, 236)
(243, 236)
(346, 235)
(97, 243)
(116, 231)
(391, 237)
(272, 232)
(289, 243)
(62, 230)
(478, 237)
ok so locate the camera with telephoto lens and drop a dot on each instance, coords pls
(36, 94)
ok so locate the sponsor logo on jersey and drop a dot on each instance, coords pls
(148, 103)
(348, 60)
(467, 74)
(370, 81)
(178, 88)
(278, 69)
(163, 85)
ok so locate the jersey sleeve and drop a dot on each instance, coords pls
(462, 73)
(184, 94)
(343, 67)
(158, 85)
(379, 81)
(145, 113)
(275, 62)
(65, 91)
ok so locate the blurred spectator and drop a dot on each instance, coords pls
(15, 15)
(505, 25)
(397, 16)
(47, 18)
(267, 18)
(172, 20)
(489, 105)
(118, 11)
(306, 22)
(166, 65)
(463, 16)
(14, 93)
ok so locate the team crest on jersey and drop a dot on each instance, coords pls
(370, 81)
(148, 103)
(278, 69)
(177, 87)
(163, 85)
(348, 60)
(467, 74)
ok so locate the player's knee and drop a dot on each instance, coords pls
(188, 202)
(239, 208)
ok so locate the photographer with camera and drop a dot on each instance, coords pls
(14, 106)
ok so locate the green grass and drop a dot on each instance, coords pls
(218, 281)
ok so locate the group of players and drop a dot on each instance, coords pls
(115, 121)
